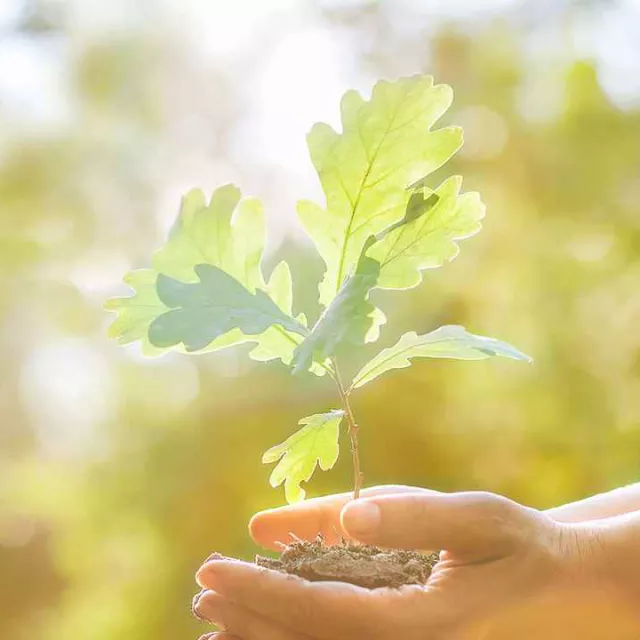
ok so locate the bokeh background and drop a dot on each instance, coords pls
(118, 474)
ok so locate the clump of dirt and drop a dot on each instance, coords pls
(362, 565)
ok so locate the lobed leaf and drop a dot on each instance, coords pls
(349, 318)
(201, 312)
(228, 232)
(136, 312)
(315, 444)
(277, 342)
(386, 145)
(450, 341)
(427, 237)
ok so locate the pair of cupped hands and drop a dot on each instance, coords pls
(506, 572)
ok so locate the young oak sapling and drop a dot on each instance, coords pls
(381, 226)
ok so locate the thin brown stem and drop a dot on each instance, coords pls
(358, 476)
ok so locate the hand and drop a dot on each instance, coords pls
(508, 572)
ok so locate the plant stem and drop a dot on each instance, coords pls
(358, 476)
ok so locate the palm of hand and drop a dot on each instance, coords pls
(509, 572)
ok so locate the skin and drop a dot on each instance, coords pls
(507, 572)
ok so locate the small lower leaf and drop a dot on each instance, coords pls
(450, 341)
(315, 444)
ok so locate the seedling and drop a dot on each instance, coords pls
(381, 226)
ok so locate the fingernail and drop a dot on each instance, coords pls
(204, 568)
(361, 516)
(208, 610)
(194, 605)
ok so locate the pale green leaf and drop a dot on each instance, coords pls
(229, 233)
(202, 311)
(136, 312)
(280, 287)
(348, 319)
(450, 341)
(429, 238)
(315, 444)
(385, 146)
(277, 342)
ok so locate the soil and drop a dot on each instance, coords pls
(358, 564)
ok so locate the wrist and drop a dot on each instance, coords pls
(609, 555)
(620, 538)
(597, 577)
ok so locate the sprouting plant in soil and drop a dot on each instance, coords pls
(380, 227)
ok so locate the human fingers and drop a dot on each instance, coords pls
(331, 609)
(240, 621)
(476, 525)
(312, 517)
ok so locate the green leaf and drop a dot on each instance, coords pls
(427, 236)
(316, 443)
(276, 342)
(349, 318)
(201, 312)
(136, 312)
(450, 341)
(385, 146)
(229, 233)
(421, 201)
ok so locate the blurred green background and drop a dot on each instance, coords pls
(119, 475)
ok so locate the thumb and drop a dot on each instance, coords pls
(475, 525)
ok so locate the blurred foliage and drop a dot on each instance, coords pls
(119, 475)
